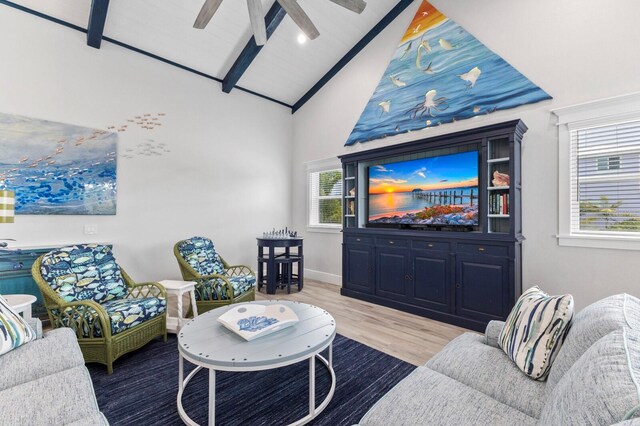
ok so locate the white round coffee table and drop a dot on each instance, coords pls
(21, 303)
(206, 343)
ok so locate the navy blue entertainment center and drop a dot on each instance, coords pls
(426, 235)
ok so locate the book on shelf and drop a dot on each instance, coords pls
(499, 204)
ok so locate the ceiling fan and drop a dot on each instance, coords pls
(256, 16)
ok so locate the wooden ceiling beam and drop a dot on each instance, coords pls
(377, 29)
(97, 19)
(274, 17)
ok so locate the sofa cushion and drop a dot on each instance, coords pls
(589, 325)
(601, 388)
(487, 369)
(201, 255)
(93, 420)
(83, 272)
(212, 289)
(60, 398)
(123, 315)
(535, 329)
(14, 331)
(426, 397)
(58, 350)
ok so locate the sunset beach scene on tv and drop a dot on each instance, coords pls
(435, 191)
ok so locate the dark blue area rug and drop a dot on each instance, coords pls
(143, 388)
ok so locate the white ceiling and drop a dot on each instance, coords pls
(284, 70)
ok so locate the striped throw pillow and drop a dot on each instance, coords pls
(535, 329)
(14, 331)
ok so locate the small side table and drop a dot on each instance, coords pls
(178, 288)
(279, 266)
(21, 303)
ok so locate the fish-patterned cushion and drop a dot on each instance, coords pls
(201, 255)
(84, 272)
(212, 289)
(535, 330)
(14, 331)
(123, 314)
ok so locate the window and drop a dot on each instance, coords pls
(600, 174)
(325, 196)
(606, 178)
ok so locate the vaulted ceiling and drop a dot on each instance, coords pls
(283, 70)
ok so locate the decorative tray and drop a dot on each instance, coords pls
(253, 320)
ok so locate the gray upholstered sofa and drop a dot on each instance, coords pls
(593, 381)
(45, 382)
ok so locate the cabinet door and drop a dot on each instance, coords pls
(357, 268)
(392, 274)
(482, 286)
(431, 280)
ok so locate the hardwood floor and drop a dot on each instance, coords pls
(406, 336)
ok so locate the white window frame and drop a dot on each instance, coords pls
(316, 166)
(598, 113)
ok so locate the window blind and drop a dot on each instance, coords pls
(605, 179)
(325, 200)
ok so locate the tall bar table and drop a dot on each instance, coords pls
(280, 265)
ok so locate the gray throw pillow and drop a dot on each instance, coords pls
(601, 388)
(590, 325)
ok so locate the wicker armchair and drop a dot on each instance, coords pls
(217, 282)
(84, 289)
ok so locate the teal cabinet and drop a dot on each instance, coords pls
(15, 276)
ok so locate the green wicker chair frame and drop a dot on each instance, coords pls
(205, 304)
(106, 349)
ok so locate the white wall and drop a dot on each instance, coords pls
(576, 50)
(227, 175)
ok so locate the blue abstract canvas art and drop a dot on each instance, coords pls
(439, 74)
(57, 168)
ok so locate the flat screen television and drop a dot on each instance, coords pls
(434, 192)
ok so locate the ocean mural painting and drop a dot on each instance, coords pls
(57, 168)
(440, 74)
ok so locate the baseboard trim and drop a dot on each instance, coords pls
(323, 276)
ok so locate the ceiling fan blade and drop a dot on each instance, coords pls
(206, 13)
(356, 6)
(301, 19)
(256, 15)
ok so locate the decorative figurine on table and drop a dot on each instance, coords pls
(282, 234)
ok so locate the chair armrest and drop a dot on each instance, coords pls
(226, 285)
(236, 270)
(76, 313)
(492, 333)
(146, 289)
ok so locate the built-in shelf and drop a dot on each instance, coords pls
(498, 160)
(436, 272)
(350, 201)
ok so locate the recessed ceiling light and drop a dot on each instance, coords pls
(302, 39)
